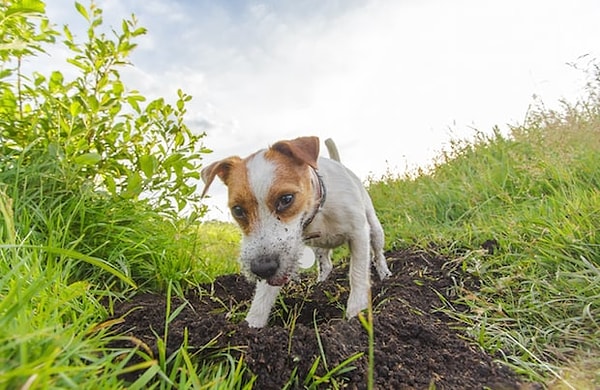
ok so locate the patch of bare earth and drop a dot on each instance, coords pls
(416, 346)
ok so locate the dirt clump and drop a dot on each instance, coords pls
(416, 345)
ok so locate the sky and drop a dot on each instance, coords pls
(393, 82)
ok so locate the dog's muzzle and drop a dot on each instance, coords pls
(266, 268)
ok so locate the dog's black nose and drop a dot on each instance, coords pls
(265, 267)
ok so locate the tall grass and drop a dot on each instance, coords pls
(47, 335)
(534, 194)
(75, 233)
(64, 254)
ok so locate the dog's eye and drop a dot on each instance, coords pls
(238, 212)
(284, 202)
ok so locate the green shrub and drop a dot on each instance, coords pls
(94, 183)
(92, 165)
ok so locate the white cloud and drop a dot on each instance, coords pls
(391, 81)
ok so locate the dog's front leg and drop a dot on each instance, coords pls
(264, 299)
(360, 276)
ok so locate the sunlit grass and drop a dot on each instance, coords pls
(218, 248)
(47, 336)
(536, 193)
(66, 256)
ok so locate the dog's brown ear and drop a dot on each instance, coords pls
(303, 150)
(220, 168)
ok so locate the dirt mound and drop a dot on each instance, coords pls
(416, 347)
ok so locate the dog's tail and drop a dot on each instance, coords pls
(332, 150)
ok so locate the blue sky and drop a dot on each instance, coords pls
(392, 81)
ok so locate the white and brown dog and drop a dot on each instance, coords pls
(286, 197)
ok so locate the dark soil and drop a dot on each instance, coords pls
(416, 345)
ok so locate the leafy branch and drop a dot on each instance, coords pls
(98, 130)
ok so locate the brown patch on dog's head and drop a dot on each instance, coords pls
(221, 168)
(293, 160)
(284, 172)
(302, 150)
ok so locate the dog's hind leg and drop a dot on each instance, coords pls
(377, 243)
(264, 299)
(323, 256)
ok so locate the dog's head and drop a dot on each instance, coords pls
(271, 196)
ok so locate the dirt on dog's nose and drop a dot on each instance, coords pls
(265, 267)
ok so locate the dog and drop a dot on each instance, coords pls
(285, 197)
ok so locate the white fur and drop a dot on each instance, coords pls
(271, 236)
(264, 299)
(261, 174)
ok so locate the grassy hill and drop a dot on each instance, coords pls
(522, 213)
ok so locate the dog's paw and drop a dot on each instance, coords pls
(324, 263)
(356, 304)
(384, 273)
(382, 267)
(324, 273)
(256, 322)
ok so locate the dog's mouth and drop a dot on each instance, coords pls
(278, 281)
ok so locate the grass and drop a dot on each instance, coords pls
(65, 256)
(220, 242)
(537, 194)
(47, 335)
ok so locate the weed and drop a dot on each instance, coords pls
(367, 323)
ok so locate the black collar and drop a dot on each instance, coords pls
(321, 194)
